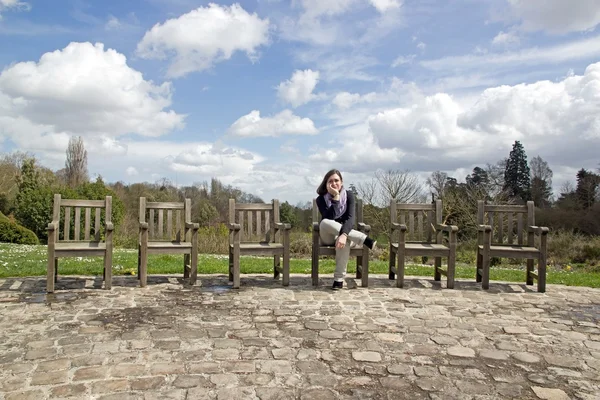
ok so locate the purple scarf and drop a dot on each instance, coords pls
(339, 207)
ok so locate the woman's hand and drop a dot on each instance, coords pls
(340, 243)
(333, 192)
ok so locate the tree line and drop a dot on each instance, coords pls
(27, 188)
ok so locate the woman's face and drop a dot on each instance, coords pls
(335, 182)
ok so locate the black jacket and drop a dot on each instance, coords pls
(347, 218)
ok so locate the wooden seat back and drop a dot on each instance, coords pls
(509, 222)
(75, 218)
(166, 220)
(420, 220)
(257, 221)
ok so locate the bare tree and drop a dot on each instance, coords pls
(400, 186)
(540, 169)
(76, 164)
(437, 182)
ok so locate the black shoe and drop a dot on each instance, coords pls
(337, 285)
(370, 243)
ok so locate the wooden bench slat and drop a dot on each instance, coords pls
(253, 206)
(160, 223)
(97, 224)
(165, 205)
(88, 217)
(77, 223)
(82, 203)
(67, 235)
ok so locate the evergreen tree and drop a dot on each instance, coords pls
(517, 182)
(541, 193)
(587, 186)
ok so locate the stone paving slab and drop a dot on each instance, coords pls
(264, 341)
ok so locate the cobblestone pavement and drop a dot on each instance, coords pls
(263, 341)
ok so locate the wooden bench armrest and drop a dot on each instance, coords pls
(396, 226)
(446, 228)
(362, 227)
(538, 230)
(110, 226)
(484, 228)
(192, 225)
(52, 226)
(234, 227)
(281, 225)
(143, 225)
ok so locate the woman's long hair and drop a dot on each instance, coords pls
(322, 189)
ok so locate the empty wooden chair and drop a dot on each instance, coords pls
(497, 239)
(97, 237)
(361, 253)
(254, 229)
(167, 228)
(422, 237)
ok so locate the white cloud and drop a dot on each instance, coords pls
(401, 60)
(576, 50)
(18, 5)
(205, 36)
(112, 23)
(345, 100)
(131, 171)
(385, 5)
(84, 90)
(210, 159)
(566, 109)
(557, 120)
(284, 123)
(556, 16)
(339, 66)
(421, 46)
(317, 8)
(299, 89)
(506, 39)
(353, 149)
(429, 124)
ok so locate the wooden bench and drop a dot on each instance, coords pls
(497, 239)
(426, 240)
(169, 230)
(361, 253)
(95, 241)
(255, 229)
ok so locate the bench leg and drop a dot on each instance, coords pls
(108, 269)
(542, 273)
(186, 266)
(400, 271)
(478, 267)
(529, 278)
(236, 267)
(392, 264)
(230, 264)
(276, 266)
(437, 265)
(50, 275)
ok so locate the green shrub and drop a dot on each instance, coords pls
(301, 244)
(11, 232)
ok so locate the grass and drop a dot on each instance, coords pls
(25, 260)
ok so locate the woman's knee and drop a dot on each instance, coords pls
(327, 225)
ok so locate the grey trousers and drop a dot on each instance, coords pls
(329, 231)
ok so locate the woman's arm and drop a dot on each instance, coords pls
(326, 212)
(348, 217)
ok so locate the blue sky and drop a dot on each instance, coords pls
(268, 95)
